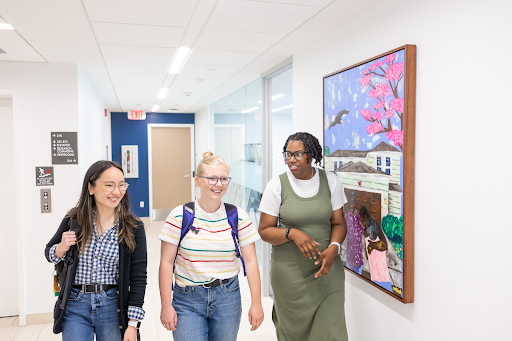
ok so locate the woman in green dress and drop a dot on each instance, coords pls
(301, 216)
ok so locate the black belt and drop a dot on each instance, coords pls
(93, 288)
(215, 283)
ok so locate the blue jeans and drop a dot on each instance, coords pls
(89, 314)
(207, 314)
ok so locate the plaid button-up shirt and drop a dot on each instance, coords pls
(99, 263)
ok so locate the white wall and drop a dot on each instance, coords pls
(93, 125)
(462, 263)
(8, 250)
(48, 101)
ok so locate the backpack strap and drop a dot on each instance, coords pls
(186, 225)
(232, 213)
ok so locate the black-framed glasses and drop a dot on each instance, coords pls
(298, 155)
(212, 180)
(110, 186)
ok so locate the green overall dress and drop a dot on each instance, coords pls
(307, 308)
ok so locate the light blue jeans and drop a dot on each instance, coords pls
(207, 314)
(89, 314)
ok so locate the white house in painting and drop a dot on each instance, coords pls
(374, 171)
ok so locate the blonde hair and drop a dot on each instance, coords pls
(210, 159)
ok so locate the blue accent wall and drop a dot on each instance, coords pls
(127, 132)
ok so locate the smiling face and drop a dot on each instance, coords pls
(103, 198)
(212, 192)
(301, 169)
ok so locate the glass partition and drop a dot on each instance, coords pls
(237, 138)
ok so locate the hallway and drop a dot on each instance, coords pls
(151, 329)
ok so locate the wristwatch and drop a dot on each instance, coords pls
(338, 244)
(135, 324)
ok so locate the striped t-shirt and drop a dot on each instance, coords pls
(210, 254)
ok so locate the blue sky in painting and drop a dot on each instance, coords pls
(343, 91)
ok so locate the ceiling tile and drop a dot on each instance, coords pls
(255, 16)
(142, 99)
(148, 12)
(137, 35)
(137, 53)
(119, 66)
(137, 80)
(237, 41)
(207, 71)
(16, 48)
(317, 3)
(234, 58)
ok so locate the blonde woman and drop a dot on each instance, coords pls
(206, 302)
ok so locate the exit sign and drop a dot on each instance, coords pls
(136, 115)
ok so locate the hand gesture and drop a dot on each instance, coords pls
(305, 243)
(168, 317)
(327, 258)
(68, 238)
(255, 316)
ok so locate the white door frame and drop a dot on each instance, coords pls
(18, 194)
(150, 159)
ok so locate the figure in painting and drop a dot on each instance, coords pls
(355, 231)
(375, 250)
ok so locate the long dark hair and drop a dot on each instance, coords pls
(83, 211)
(311, 144)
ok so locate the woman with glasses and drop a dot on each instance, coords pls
(206, 302)
(109, 267)
(301, 216)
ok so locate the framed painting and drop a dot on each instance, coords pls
(369, 123)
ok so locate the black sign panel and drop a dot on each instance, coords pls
(64, 148)
(44, 176)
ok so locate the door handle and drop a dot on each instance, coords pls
(187, 176)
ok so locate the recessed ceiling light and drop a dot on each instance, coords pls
(162, 93)
(179, 59)
(282, 108)
(6, 27)
(210, 70)
(155, 108)
(249, 110)
(188, 93)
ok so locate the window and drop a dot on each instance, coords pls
(388, 171)
(388, 162)
(379, 168)
(379, 161)
(335, 165)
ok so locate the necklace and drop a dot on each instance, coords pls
(305, 191)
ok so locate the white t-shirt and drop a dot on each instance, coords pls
(271, 200)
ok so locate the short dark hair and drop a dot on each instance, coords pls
(311, 144)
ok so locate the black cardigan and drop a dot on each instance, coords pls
(132, 270)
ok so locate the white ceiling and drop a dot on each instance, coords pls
(125, 47)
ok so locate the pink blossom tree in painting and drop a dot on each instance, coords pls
(384, 77)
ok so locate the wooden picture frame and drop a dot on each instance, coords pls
(369, 134)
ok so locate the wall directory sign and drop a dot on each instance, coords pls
(44, 176)
(130, 161)
(64, 148)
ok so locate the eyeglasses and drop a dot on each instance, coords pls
(112, 186)
(298, 155)
(212, 180)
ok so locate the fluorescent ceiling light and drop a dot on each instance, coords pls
(179, 59)
(249, 110)
(274, 97)
(155, 108)
(6, 27)
(282, 108)
(162, 93)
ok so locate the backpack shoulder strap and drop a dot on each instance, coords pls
(232, 214)
(188, 219)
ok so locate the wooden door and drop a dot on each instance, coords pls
(171, 169)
